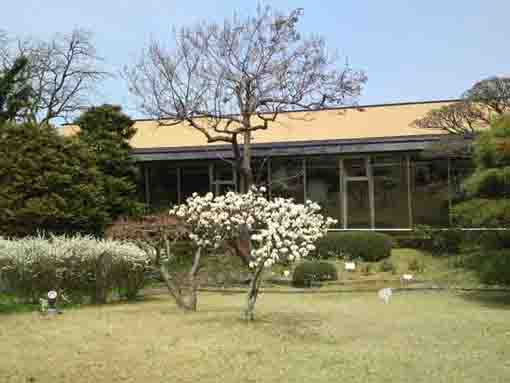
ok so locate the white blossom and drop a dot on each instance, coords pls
(280, 229)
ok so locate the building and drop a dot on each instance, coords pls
(364, 165)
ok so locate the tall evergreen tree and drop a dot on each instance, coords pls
(15, 90)
(107, 131)
(488, 189)
(488, 204)
(47, 183)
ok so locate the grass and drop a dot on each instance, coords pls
(417, 337)
(436, 270)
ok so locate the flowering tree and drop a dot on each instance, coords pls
(279, 229)
(159, 236)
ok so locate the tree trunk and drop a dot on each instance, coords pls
(247, 173)
(174, 290)
(103, 268)
(193, 285)
(251, 299)
(189, 304)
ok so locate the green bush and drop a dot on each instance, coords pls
(440, 242)
(494, 267)
(48, 182)
(415, 242)
(489, 183)
(495, 240)
(366, 269)
(306, 272)
(416, 266)
(368, 246)
(387, 266)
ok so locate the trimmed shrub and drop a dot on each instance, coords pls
(416, 266)
(387, 266)
(74, 266)
(366, 269)
(415, 242)
(441, 242)
(494, 267)
(306, 272)
(368, 246)
(495, 240)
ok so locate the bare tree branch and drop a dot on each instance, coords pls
(228, 80)
(486, 100)
(457, 118)
(63, 72)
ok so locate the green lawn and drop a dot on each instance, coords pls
(439, 271)
(418, 337)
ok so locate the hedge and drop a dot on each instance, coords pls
(74, 266)
(309, 271)
(369, 246)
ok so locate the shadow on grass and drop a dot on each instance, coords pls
(489, 299)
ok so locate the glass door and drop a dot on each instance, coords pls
(357, 204)
(357, 193)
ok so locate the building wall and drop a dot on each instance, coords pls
(383, 191)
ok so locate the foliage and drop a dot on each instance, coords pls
(47, 182)
(368, 246)
(75, 266)
(387, 266)
(482, 212)
(488, 190)
(15, 91)
(306, 272)
(417, 240)
(416, 266)
(366, 268)
(489, 183)
(493, 92)
(440, 241)
(494, 267)
(495, 240)
(107, 131)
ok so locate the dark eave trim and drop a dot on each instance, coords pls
(291, 148)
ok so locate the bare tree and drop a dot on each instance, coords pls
(229, 80)
(484, 101)
(63, 72)
(493, 92)
(457, 118)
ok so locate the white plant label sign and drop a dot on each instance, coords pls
(385, 294)
(350, 266)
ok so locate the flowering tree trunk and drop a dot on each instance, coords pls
(253, 292)
(189, 302)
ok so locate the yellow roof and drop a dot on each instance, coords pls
(378, 121)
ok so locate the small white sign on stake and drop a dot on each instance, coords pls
(407, 277)
(350, 266)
